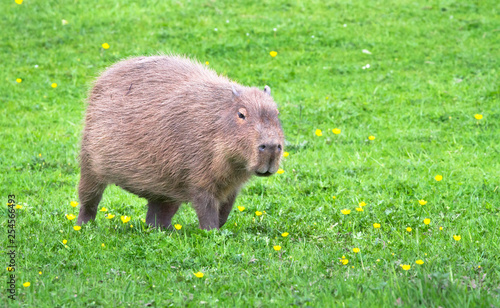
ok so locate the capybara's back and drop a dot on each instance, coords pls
(170, 130)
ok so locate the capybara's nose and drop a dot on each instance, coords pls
(270, 147)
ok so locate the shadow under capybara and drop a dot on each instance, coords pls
(171, 130)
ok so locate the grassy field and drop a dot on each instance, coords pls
(428, 68)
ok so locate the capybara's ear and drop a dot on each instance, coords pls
(235, 92)
(267, 90)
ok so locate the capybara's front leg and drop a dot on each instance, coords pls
(160, 213)
(225, 208)
(207, 209)
(90, 192)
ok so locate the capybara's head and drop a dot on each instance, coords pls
(257, 130)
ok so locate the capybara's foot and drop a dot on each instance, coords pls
(160, 213)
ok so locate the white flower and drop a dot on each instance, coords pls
(366, 51)
(248, 34)
(215, 29)
(36, 65)
(274, 29)
(368, 66)
(364, 67)
(64, 22)
(312, 36)
(345, 25)
(227, 21)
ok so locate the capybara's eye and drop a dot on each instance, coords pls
(241, 115)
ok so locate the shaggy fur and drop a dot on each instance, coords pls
(170, 130)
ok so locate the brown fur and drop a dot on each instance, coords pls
(170, 130)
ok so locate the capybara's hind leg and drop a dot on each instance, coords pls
(90, 192)
(160, 213)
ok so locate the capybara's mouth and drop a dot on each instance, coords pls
(264, 174)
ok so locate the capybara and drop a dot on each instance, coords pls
(171, 130)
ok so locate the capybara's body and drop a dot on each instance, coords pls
(170, 130)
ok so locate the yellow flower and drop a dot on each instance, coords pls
(65, 242)
(318, 133)
(131, 226)
(457, 237)
(258, 213)
(143, 220)
(125, 219)
(19, 80)
(18, 206)
(103, 245)
(440, 228)
(422, 202)
(284, 234)
(39, 273)
(70, 216)
(73, 203)
(103, 209)
(334, 197)
(19, 1)
(344, 261)
(241, 208)
(478, 116)
(77, 228)
(273, 54)
(10, 269)
(285, 154)
(378, 260)
(406, 266)
(362, 203)
(427, 221)
(376, 225)
(26, 284)
(479, 266)
(105, 45)
(64, 22)
(177, 226)
(438, 177)
(345, 211)
(359, 209)
(371, 138)
(207, 63)
(280, 171)
(54, 85)
(199, 274)
(277, 247)
(356, 250)
(336, 131)
(419, 262)
(110, 216)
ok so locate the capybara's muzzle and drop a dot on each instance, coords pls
(269, 158)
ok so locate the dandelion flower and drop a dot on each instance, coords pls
(438, 177)
(64, 22)
(419, 262)
(241, 208)
(102, 245)
(285, 154)
(77, 228)
(26, 284)
(408, 229)
(39, 273)
(19, 2)
(103, 209)
(178, 226)
(440, 228)
(18, 206)
(65, 242)
(406, 266)
(125, 219)
(362, 203)
(110, 216)
(371, 138)
(105, 45)
(344, 261)
(318, 133)
(54, 85)
(199, 274)
(277, 247)
(427, 221)
(334, 197)
(19, 80)
(284, 234)
(143, 219)
(378, 260)
(457, 237)
(273, 54)
(356, 250)
(376, 226)
(345, 211)
(478, 116)
(70, 216)
(280, 171)
(336, 131)
(73, 203)
(422, 202)
(258, 213)
(359, 209)
(207, 63)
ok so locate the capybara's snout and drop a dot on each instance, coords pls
(269, 157)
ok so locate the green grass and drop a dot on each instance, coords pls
(434, 65)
